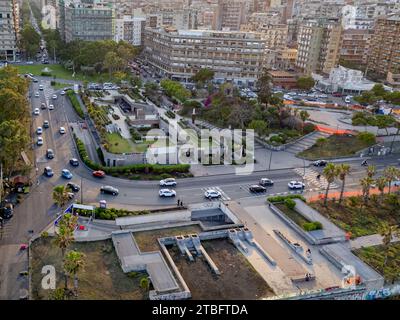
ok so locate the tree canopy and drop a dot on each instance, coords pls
(305, 83)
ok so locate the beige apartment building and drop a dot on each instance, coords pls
(8, 29)
(385, 46)
(178, 54)
(355, 45)
(318, 46)
(229, 15)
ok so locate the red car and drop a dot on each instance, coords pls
(99, 174)
(337, 94)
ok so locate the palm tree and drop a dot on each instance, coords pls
(330, 172)
(371, 171)
(60, 196)
(381, 184)
(344, 170)
(65, 236)
(387, 232)
(74, 262)
(366, 183)
(390, 173)
(304, 115)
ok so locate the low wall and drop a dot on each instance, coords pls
(183, 215)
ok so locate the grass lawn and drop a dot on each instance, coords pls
(335, 146)
(360, 220)
(59, 71)
(117, 144)
(375, 257)
(102, 277)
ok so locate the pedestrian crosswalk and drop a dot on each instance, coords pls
(310, 176)
(5, 230)
(224, 196)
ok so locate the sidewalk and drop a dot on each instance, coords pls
(369, 241)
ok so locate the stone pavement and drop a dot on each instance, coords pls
(369, 241)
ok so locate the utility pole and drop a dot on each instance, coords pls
(81, 191)
(1, 182)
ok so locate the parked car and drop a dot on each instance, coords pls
(7, 211)
(257, 188)
(50, 154)
(65, 173)
(73, 186)
(320, 163)
(48, 172)
(168, 182)
(266, 182)
(167, 193)
(296, 185)
(62, 130)
(109, 190)
(211, 194)
(39, 141)
(337, 94)
(74, 162)
(46, 124)
(36, 112)
(39, 130)
(99, 174)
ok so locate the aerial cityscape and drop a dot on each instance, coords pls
(200, 150)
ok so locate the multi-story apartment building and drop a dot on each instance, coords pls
(230, 14)
(355, 45)
(318, 46)
(179, 54)
(183, 19)
(129, 29)
(384, 54)
(8, 29)
(88, 22)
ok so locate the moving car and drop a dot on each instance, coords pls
(39, 130)
(43, 106)
(62, 130)
(37, 95)
(50, 154)
(211, 194)
(257, 188)
(167, 193)
(41, 87)
(48, 172)
(73, 186)
(296, 185)
(39, 141)
(46, 124)
(62, 93)
(109, 190)
(65, 173)
(266, 182)
(168, 182)
(36, 112)
(320, 163)
(54, 97)
(99, 174)
(35, 80)
(74, 162)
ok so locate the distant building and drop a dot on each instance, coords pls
(130, 29)
(355, 45)
(234, 56)
(283, 79)
(230, 14)
(318, 46)
(8, 29)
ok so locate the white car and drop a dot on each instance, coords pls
(296, 185)
(39, 130)
(39, 141)
(62, 93)
(211, 194)
(51, 106)
(62, 130)
(37, 95)
(54, 97)
(41, 87)
(36, 112)
(168, 182)
(167, 193)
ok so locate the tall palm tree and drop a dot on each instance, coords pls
(366, 183)
(381, 183)
(390, 173)
(371, 171)
(344, 170)
(330, 172)
(60, 196)
(65, 236)
(74, 262)
(387, 232)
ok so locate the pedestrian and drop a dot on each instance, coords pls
(181, 203)
(178, 202)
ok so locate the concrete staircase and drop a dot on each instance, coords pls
(307, 142)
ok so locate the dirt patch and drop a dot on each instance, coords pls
(102, 278)
(238, 279)
(147, 240)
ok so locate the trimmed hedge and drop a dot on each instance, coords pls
(111, 214)
(130, 169)
(75, 103)
(276, 199)
(311, 226)
(290, 203)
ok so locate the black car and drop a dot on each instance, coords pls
(50, 154)
(73, 186)
(7, 211)
(320, 163)
(74, 162)
(257, 188)
(109, 190)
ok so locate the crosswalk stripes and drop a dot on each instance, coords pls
(224, 196)
(311, 177)
(5, 231)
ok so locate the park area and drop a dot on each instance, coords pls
(101, 279)
(360, 218)
(337, 146)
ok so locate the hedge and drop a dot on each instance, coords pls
(129, 169)
(111, 214)
(75, 103)
(276, 199)
(311, 226)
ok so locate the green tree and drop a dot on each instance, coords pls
(259, 126)
(387, 232)
(60, 196)
(264, 86)
(305, 83)
(371, 171)
(381, 183)
(366, 183)
(343, 170)
(112, 62)
(203, 76)
(29, 41)
(144, 283)
(74, 263)
(330, 173)
(304, 115)
(391, 173)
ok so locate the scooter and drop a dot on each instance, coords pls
(364, 163)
